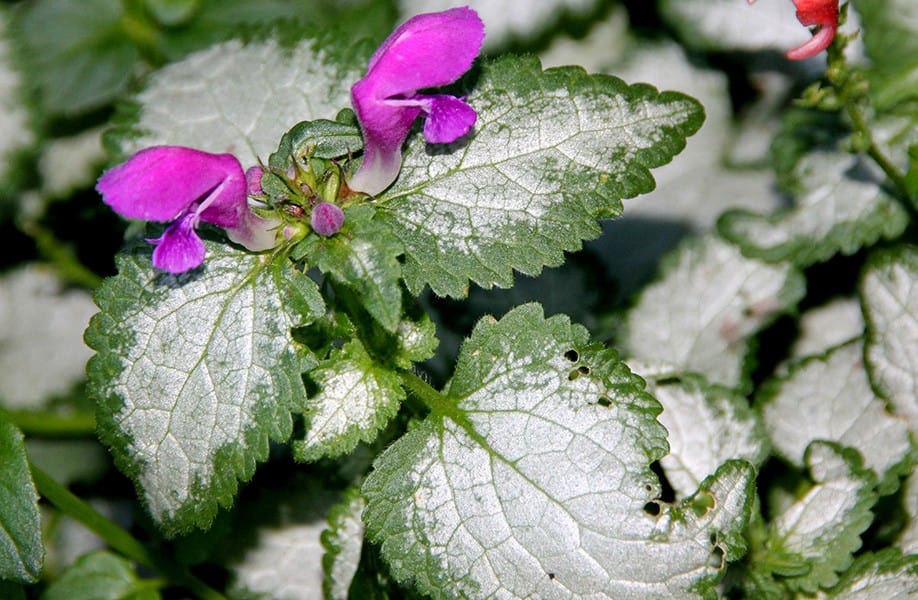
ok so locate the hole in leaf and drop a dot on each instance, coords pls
(551, 576)
(603, 401)
(312, 388)
(573, 375)
(667, 493)
(702, 503)
(716, 559)
(652, 508)
(585, 370)
(572, 355)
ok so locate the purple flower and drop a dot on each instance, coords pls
(427, 51)
(185, 186)
(327, 218)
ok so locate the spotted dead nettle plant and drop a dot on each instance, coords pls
(272, 306)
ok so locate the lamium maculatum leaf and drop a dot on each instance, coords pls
(551, 153)
(531, 477)
(21, 549)
(195, 373)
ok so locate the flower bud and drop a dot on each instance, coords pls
(327, 218)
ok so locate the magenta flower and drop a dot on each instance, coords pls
(427, 51)
(185, 186)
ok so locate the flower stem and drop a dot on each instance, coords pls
(115, 536)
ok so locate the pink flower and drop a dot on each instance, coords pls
(819, 13)
(184, 186)
(429, 50)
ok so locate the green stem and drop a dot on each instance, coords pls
(437, 403)
(60, 256)
(873, 151)
(115, 536)
(140, 29)
(431, 398)
(52, 425)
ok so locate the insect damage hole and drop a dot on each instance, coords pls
(572, 355)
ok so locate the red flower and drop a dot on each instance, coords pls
(820, 13)
(815, 13)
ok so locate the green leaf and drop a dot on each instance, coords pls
(841, 209)
(320, 139)
(889, 297)
(21, 550)
(699, 184)
(815, 538)
(530, 477)
(241, 97)
(195, 373)
(417, 341)
(343, 542)
(891, 40)
(354, 401)
(707, 424)
(552, 152)
(829, 398)
(81, 54)
(885, 574)
(101, 576)
(707, 304)
(363, 256)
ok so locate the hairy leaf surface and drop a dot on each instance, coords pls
(889, 297)
(197, 372)
(531, 475)
(552, 152)
(21, 550)
(708, 302)
(829, 398)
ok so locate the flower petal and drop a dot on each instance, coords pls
(817, 12)
(179, 249)
(162, 182)
(428, 50)
(448, 119)
(254, 232)
(253, 177)
(814, 45)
